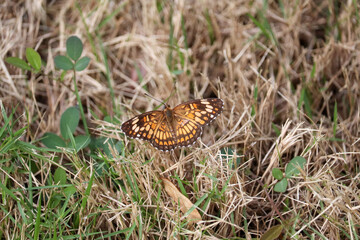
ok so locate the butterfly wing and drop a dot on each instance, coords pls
(191, 116)
(188, 120)
(164, 138)
(143, 126)
(152, 127)
(200, 111)
(187, 132)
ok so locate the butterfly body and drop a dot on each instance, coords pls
(172, 128)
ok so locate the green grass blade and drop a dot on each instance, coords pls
(335, 119)
(37, 221)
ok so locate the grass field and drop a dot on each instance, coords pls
(282, 161)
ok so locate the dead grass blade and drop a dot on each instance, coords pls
(184, 203)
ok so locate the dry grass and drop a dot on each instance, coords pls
(280, 68)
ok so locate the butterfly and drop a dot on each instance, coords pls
(171, 128)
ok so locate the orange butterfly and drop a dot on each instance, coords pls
(177, 127)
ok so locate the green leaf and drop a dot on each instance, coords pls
(210, 27)
(69, 191)
(335, 119)
(82, 64)
(108, 119)
(292, 167)
(306, 100)
(253, 107)
(111, 16)
(281, 186)
(33, 58)
(273, 233)
(55, 200)
(51, 140)
(38, 219)
(228, 155)
(119, 147)
(104, 144)
(313, 71)
(60, 176)
(260, 26)
(8, 192)
(177, 72)
(76, 220)
(277, 173)
(62, 75)
(81, 142)
(276, 129)
(96, 143)
(74, 47)
(69, 120)
(64, 63)
(17, 62)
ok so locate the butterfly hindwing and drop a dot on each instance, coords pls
(187, 132)
(164, 137)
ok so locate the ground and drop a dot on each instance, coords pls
(287, 72)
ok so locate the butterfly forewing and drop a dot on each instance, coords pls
(143, 126)
(192, 116)
(200, 111)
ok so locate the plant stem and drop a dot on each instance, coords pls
(108, 78)
(80, 105)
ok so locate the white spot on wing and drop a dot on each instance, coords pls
(135, 120)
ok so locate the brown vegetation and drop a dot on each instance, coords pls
(281, 68)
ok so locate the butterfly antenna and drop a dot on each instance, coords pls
(172, 93)
(148, 95)
(167, 99)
